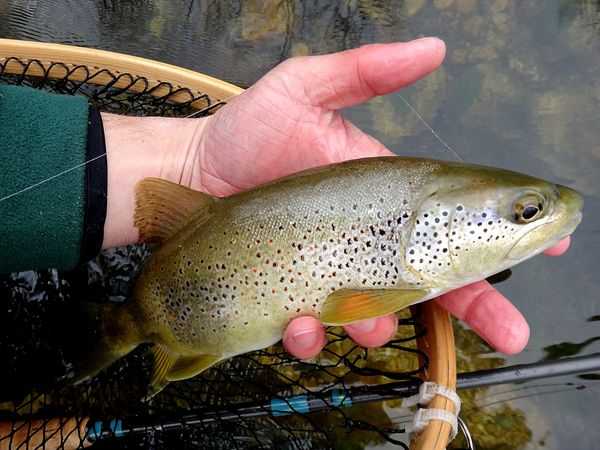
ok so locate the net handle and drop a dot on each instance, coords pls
(438, 344)
(91, 65)
(59, 433)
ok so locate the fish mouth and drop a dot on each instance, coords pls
(573, 206)
(575, 221)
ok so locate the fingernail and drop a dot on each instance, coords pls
(365, 326)
(427, 38)
(306, 338)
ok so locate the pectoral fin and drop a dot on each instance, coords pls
(348, 305)
(189, 366)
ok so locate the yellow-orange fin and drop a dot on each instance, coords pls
(164, 359)
(349, 305)
(190, 366)
(162, 208)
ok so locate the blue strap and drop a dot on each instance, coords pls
(115, 426)
(295, 404)
(299, 403)
(340, 397)
(95, 431)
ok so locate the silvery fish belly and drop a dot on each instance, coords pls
(342, 243)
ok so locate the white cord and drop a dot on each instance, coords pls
(423, 416)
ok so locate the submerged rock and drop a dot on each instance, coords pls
(566, 124)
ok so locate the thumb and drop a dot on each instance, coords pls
(348, 78)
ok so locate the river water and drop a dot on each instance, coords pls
(519, 89)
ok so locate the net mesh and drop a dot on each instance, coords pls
(260, 400)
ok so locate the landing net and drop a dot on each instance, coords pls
(260, 400)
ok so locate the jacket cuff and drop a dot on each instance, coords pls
(95, 188)
(42, 150)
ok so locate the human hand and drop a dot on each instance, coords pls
(289, 121)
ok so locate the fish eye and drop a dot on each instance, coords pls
(528, 209)
(529, 212)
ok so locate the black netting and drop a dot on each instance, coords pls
(260, 400)
(120, 93)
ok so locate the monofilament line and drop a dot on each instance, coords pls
(64, 172)
(103, 155)
(33, 186)
(437, 136)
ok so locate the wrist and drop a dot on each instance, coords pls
(141, 147)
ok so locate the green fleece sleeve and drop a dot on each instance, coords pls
(42, 148)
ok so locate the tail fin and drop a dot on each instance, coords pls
(95, 336)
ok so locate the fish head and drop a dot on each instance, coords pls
(473, 222)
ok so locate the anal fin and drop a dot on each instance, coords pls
(171, 366)
(164, 359)
(190, 366)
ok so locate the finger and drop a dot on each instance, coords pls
(373, 332)
(304, 337)
(348, 78)
(559, 248)
(490, 315)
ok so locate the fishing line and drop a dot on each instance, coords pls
(558, 388)
(406, 419)
(195, 113)
(437, 136)
(312, 402)
(89, 161)
(522, 393)
(60, 174)
(564, 387)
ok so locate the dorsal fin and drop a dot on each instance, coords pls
(162, 208)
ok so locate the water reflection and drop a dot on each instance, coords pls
(563, 349)
(232, 40)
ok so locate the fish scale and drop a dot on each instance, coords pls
(340, 243)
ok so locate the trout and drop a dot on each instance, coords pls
(342, 243)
